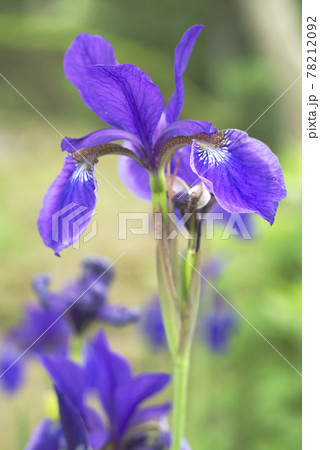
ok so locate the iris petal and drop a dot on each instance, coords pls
(68, 206)
(119, 315)
(149, 413)
(107, 371)
(242, 173)
(181, 58)
(129, 397)
(125, 97)
(86, 50)
(135, 177)
(72, 423)
(67, 376)
(47, 435)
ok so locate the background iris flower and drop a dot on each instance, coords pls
(48, 327)
(125, 423)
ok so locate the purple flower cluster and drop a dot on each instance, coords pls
(125, 424)
(242, 173)
(48, 327)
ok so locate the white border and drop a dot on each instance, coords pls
(311, 244)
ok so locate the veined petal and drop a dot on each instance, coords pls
(181, 58)
(86, 50)
(68, 205)
(126, 98)
(242, 173)
(99, 137)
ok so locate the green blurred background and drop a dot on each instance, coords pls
(247, 55)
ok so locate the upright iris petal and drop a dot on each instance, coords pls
(181, 58)
(85, 51)
(125, 98)
(68, 205)
(242, 172)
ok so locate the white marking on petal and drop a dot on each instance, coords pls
(210, 154)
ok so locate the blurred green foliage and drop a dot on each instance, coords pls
(250, 397)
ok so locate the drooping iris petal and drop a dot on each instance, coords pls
(86, 50)
(242, 173)
(128, 398)
(99, 137)
(68, 206)
(125, 98)
(72, 424)
(181, 58)
(135, 177)
(46, 436)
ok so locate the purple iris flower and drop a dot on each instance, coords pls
(126, 424)
(84, 299)
(218, 327)
(48, 327)
(242, 173)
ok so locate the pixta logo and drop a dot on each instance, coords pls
(67, 224)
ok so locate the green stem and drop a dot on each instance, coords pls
(180, 388)
(159, 194)
(190, 301)
(179, 314)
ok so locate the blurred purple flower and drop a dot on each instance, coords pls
(241, 172)
(126, 425)
(218, 327)
(152, 325)
(48, 327)
(31, 337)
(85, 298)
